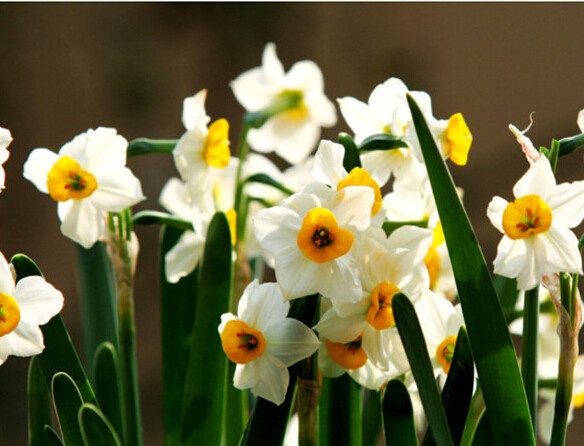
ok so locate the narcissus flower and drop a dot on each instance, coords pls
(294, 132)
(310, 236)
(24, 306)
(263, 342)
(87, 178)
(5, 140)
(203, 149)
(537, 238)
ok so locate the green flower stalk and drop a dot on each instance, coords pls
(123, 255)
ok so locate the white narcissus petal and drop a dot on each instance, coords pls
(580, 120)
(118, 191)
(262, 304)
(539, 180)
(510, 258)
(296, 274)
(328, 163)
(495, 212)
(105, 150)
(38, 300)
(329, 283)
(81, 221)
(183, 258)
(567, 203)
(194, 110)
(352, 207)
(37, 167)
(560, 253)
(176, 199)
(274, 378)
(369, 376)
(290, 341)
(275, 227)
(340, 329)
(306, 76)
(25, 340)
(360, 118)
(273, 70)
(7, 284)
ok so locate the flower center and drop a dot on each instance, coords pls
(321, 239)
(350, 356)
(360, 177)
(241, 343)
(297, 111)
(458, 139)
(445, 352)
(9, 314)
(216, 150)
(380, 312)
(526, 216)
(67, 180)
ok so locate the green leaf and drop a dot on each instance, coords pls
(106, 379)
(262, 178)
(351, 158)
(161, 218)
(96, 430)
(491, 344)
(67, 400)
(145, 146)
(39, 404)
(51, 437)
(203, 407)
(339, 412)
(508, 293)
(98, 298)
(414, 344)
(177, 316)
(570, 144)
(371, 416)
(458, 389)
(381, 141)
(484, 434)
(390, 226)
(267, 423)
(59, 354)
(398, 415)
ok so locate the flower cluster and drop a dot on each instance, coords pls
(357, 236)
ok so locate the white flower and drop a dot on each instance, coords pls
(24, 306)
(384, 271)
(387, 111)
(202, 150)
(5, 140)
(537, 238)
(264, 342)
(293, 133)
(310, 236)
(87, 178)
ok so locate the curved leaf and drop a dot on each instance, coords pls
(67, 400)
(39, 404)
(492, 348)
(351, 158)
(203, 406)
(106, 379)
(161, 218)
(414, 344)
(59, 354)
(398, 415)
(145, 146)
(381, 141)
(96, 430)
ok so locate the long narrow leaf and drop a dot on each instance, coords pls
(493, 350)
(96, 430)
(414, 344)
(67, 400)
(39, 404)
(206, 376)
(340, 412)
(398, 416)
(107, 389)
(177, 315)
(51, 437)
(59, 354)
(98, 299)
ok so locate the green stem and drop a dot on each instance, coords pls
(568, 331)
(145, 146)
(123, 265)
(529, 350)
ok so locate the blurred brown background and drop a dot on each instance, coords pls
(69, 67)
